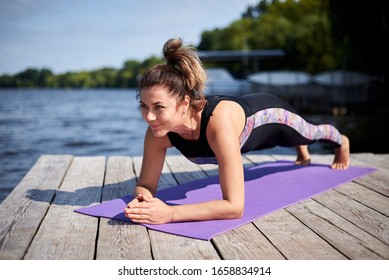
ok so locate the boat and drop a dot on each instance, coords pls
(340, 78)
(280, 78)
(221, 82)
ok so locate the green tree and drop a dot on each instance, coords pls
(104, 78)
(301, 28)
(7, 81)
(44, 77)
(127, 74)
(27, 78)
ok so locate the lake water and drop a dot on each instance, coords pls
(108, 122)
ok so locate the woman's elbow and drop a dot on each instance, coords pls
(236, 212)
(239, 213)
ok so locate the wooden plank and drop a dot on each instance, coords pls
(172, 247)
(166, 180)
(375, 182)
(65, 234)
(366, 197)
(378, 180)
(258, 159)
(245, 243)
(384, 158)
(371, 160)
(120, 178)
(184, 170)
(210, 169)
(24, 209)
(360, 215)
(293, 239)
(169, 246)
(120, 240)
(352, 241)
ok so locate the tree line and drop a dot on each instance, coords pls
(301, 28)
(125, 77)
(316, 35)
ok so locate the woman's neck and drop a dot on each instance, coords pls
(191, 127)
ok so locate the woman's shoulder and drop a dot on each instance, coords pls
(227, 113)
(229, 108)
(220, 101)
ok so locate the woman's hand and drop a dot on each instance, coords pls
(146, 209)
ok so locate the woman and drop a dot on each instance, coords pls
(215, 129)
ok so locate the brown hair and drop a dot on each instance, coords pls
(183, 74)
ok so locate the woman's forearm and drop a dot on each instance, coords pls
(210, 210)
(151, 210)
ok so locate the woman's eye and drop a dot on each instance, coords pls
(159, 107)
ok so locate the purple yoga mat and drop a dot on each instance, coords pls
(268, 187)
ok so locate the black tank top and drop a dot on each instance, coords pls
(199, 151)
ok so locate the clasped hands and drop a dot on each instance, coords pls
(146, 209)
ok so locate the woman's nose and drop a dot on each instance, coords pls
(150, 116)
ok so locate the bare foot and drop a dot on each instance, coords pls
(303, 156)
(342, 155)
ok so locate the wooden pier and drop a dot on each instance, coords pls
(37, 220)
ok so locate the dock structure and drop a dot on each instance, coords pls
(37, 220)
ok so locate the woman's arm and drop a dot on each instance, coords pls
(152, 164)
(223, 131)
(153, 159)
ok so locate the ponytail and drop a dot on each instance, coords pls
(183, 74)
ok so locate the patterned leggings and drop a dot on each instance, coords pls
(282, 126)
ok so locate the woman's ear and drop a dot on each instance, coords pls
(185, 103)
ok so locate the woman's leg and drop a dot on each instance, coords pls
(303, 156)
(342, 155)
(280, 127)
(273, 122)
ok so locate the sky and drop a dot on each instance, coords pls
(76, 35)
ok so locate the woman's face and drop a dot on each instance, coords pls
(161, 110)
